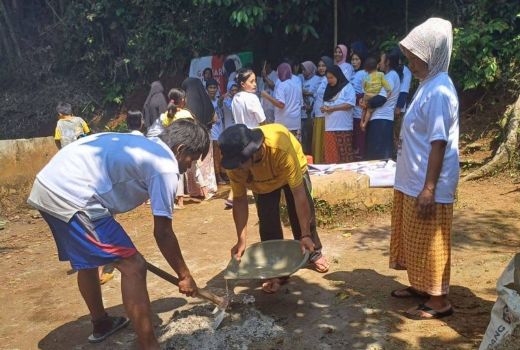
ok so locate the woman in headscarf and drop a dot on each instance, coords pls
(338, 101)
(287, 100)
(427, 173)
(155, 104)
(201, 176)
(311, 82)
(357, 59)
(318, 131)
(340, 59)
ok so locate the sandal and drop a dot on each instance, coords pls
(321, 264)
(408, 292)
(228, 204)
(428, 310)
(273, 285)
(105, 277)
(106, 326)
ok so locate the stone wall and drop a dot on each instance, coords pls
(21, 160)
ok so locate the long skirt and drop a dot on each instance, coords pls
(202, 173)
(380, 139)
(338, 147)
(359, 140)
(318, 131)
(422, 247)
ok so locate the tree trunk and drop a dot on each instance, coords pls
(10, 29)
(507, 150)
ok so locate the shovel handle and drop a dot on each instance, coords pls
(202, 293)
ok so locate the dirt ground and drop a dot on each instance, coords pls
(347, 308)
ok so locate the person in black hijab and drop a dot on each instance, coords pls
(198, 101)
(332, 91)
(155, 103)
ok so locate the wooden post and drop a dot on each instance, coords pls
(335, 23)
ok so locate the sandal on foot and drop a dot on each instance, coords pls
(321, 264)
(107, 326)
(408, 292)
(428, 310)
(273, 285)
(105, 277)
(228, 204)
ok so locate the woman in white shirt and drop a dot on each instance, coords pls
(360, 74)
(318, 131)
(311, 82)
(338, 100)
(427, 173)
(287, 100)
(380, 128)
(246, 105)
(340, 58)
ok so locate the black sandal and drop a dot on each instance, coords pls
(412, 293)
(434, 314)
(107, 326)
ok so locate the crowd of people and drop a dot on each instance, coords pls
(260, 135)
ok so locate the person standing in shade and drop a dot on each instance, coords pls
(311, 83)
(269, 160)
(358, 59)
(427, 173)
(338, 101)
(246, 106)
(155, 104)
(318, 132)
(287, 100)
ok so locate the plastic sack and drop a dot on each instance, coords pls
(505, 315)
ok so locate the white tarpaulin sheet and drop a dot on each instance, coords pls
(380, 172)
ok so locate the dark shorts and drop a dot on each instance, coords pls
(88, 244)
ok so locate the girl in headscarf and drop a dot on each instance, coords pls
(427, 173)
(287, 100)
(155, 104)
(319, 117)
(338, 100)
(311, 82)
(357, 60)
(201, 176)
(340, 58)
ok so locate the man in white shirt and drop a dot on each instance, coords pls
(86, 183)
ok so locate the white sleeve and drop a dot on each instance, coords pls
(279, 92)
(256, 109)
(438, 114)
(161, 189)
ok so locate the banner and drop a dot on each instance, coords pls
(216, 63)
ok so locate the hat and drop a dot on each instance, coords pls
(238, 143)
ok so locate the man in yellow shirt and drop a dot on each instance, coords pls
(267, 160)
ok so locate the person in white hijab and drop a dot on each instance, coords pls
(427, 173)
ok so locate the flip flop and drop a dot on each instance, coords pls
(434, 314)
(228, 204)
(106, 327)
(321, 264)
(268, 286)
(412, 293)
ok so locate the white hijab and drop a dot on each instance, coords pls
(432, 42)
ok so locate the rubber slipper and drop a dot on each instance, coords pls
(106, 327)
(412, 293)
(228, 203)
(321, 265)
(426, 309)
(105, 277)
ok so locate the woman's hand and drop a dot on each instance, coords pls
(325, 109)
(238, 249)
(426, 203)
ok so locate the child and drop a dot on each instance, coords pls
(372, 85)
(216, 129)
(69, 128)
(175, 111)
(135, 122)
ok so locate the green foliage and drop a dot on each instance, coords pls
(486, 48)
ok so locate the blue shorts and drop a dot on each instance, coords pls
(88, 244)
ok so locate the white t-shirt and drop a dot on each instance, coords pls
(432, 115)
(357, 83)
(106, 174)
(318, 99)
(407, 80)
(341, 120)
(289, 92)
(310, 85)
(347, 70)
(386, 111)
(247, 109)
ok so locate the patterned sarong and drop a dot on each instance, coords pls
(338, 147)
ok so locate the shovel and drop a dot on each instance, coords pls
(221, 303)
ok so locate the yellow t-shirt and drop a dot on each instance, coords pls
(69, 129)
(180, 114)
(279, 162)
(374, 82)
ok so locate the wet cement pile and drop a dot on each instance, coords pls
(243, 328)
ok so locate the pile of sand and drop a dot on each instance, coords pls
(243, 328)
